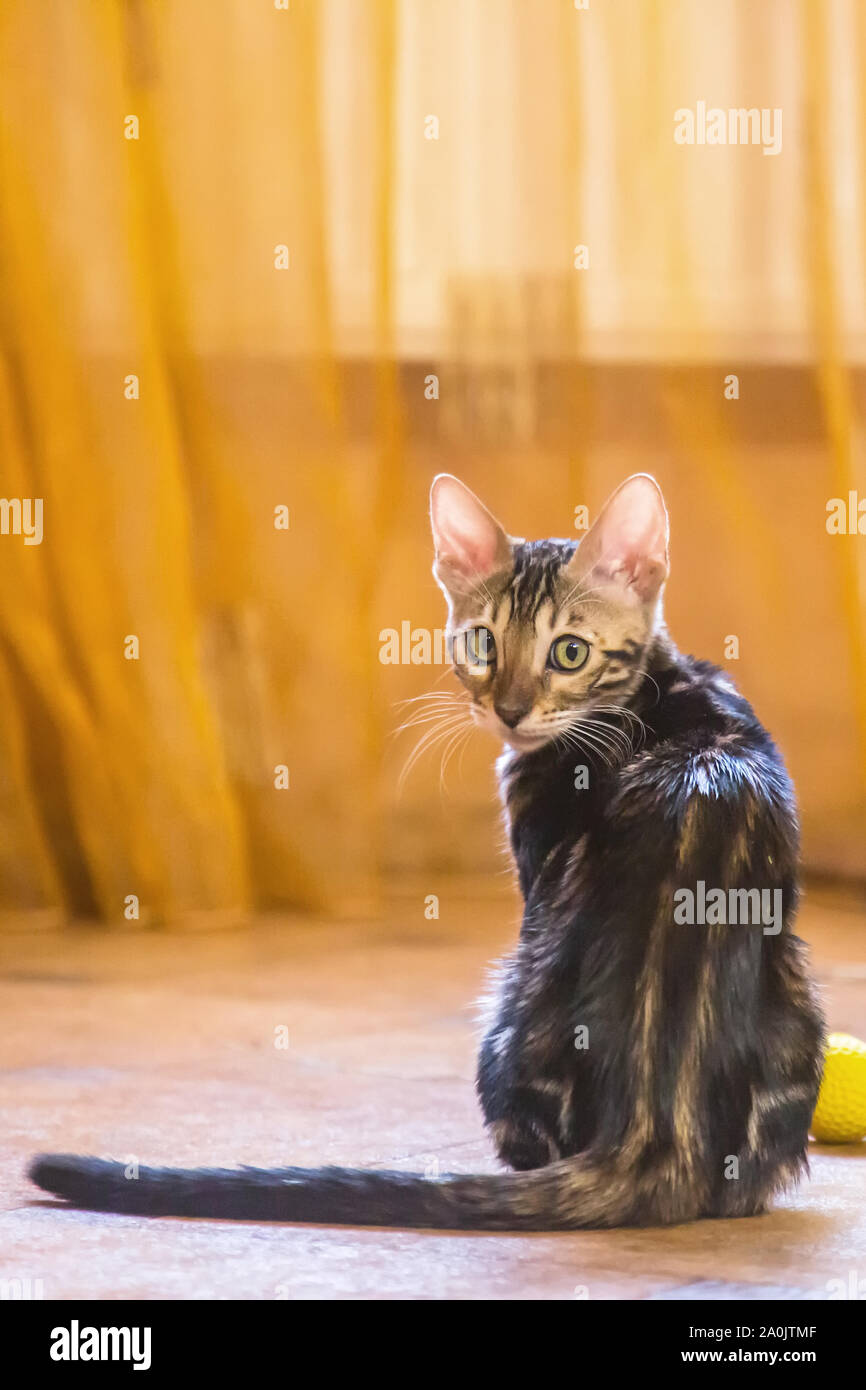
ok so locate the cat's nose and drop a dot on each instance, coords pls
(511, 714)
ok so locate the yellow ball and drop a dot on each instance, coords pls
(840, 1115)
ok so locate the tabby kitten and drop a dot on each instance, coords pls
(638, 1067)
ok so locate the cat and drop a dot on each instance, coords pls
(636, 1068)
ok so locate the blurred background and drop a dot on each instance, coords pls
(266, 269)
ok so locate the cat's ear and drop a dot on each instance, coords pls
(470, 544)
(627, 544)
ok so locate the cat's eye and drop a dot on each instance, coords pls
(476, 647)
(568, 653)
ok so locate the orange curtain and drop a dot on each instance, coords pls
(268, 267)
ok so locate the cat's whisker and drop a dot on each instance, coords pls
(437, 701)
(571, 739)
(440, 720)
(449, 671)
(464, 747)
(626, 713)
(441, 730)
(580, 595)
(428, 742)
(434, 698)
(457, 737)
(460, 738)
(645, 676)
(429, 695)
(621, 742)
(429, 718)
(597, 745)
(426, 715)
(443, 698)
(608, 736)
(478, 581)
(615, 736)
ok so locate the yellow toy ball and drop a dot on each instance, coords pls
(840, 1115)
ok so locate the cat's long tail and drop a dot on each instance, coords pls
(567, 1195)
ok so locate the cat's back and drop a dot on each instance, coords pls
(709, 773)
(704, 738)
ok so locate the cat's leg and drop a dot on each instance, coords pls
(522, 1116)
(782, 1089)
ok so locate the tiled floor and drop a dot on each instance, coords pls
(163, 1048)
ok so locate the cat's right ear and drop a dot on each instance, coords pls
(470, 544)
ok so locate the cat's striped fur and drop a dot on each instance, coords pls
(634, 1070)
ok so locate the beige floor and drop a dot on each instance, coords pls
(163, 1048)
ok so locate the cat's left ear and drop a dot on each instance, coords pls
(627, 544)
(470, 543)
